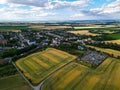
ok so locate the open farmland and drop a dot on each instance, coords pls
(114, 41)
(106, 50)
(11, 28)
(84, 32)
(42, 27)
(95, 27)
(78, 77)
(38, 66)
(114, 36)
(15, 82)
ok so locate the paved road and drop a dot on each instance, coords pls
(38, 87)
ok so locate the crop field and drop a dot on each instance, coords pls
(114, 36)
(39, 65)
(83, 32)
(15, 82)
(97, 27)
(11, 28)
(42, 27)
(78, 77)
(105, 50)
(114, 41)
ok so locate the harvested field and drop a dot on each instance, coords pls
(105, 50)
(114, 41)
(84, 32)
(42, 27)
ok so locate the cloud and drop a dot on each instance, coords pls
(113, 7)
(108, 11)
(51, 4)
(77, 15)
(17, 13)
(37, 3)
(3, 1)
(76, 4)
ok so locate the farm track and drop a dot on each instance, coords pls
(38, 87)
(39, 67)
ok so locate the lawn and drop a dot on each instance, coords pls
(39, 65)
(15, 82)
(78, 77)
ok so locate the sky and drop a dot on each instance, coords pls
(40, 10)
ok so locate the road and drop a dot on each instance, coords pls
(38, 87)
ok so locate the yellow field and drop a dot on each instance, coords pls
(114, 41)
(78, 77)
(109, 51)
(84, 32)
(94, 26)
(39, 27)
(39, 65)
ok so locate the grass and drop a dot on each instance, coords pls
(15, 82)
(114, 36)
(39, 65)
(11, 28)
(106, 50)
(78, 77)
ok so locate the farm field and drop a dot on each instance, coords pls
(42, 27)
(15, 82)
(114, 36)
(39, 65)
(83, 32)
(114, 41)
(11, 28)
(109, 51)
(95, 26)
(78, 77)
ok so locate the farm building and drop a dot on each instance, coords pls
(93, 57)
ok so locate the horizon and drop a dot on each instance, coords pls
(59, 10)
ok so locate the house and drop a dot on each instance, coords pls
(80, 48)
(31, 42)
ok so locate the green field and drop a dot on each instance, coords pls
(13, 83)
(114, 36)
(39, 65)
(11, 28)
(78, 77)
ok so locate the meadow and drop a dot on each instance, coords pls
(38, 66)
(14, 82)
(78, 77)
